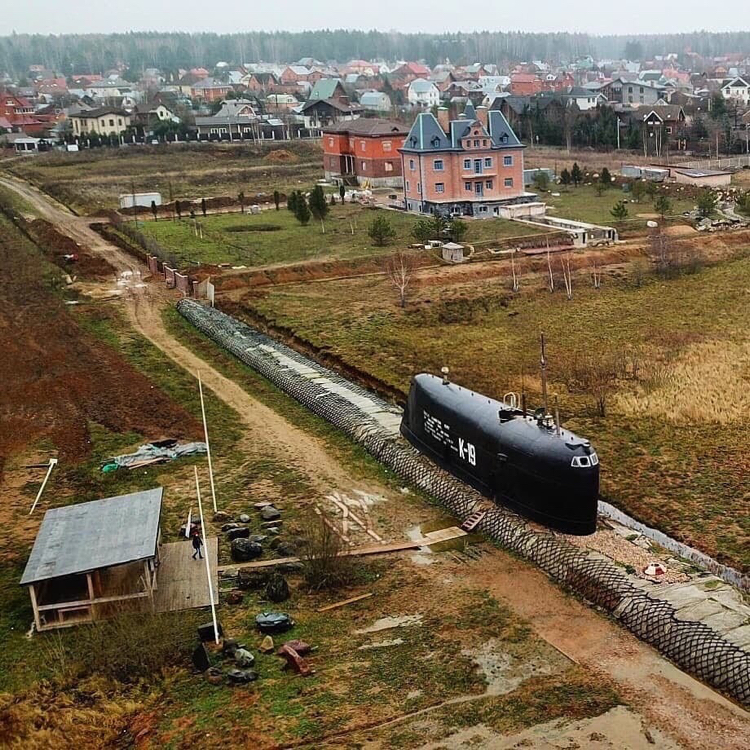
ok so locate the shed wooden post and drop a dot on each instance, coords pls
(92, 596)
(35, 606)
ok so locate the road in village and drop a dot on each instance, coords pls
(667, 700)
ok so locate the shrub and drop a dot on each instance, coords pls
(380, 230)
(321, 554)
(253, 228)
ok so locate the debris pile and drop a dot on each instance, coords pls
(158, 452)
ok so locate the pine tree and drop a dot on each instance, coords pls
(380, 230)
(575, 174)
(301, 209)
(619, 211)
(276, 198)
(565, 178)
(318, 206)
(662, 205)
(291, 201)
(203, 206)
(605, 177)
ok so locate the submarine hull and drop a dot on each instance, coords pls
(514, 461)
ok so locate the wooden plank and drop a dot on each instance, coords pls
(442, 535)
(345, 602)
(182, 580)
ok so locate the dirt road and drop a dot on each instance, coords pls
(690, 713)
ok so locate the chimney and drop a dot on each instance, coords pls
(482, 115)
(444, 119)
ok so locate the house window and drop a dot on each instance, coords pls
(389, 166)
(439, 187)
(386, 145)
(419, 187)
(407, 186)
(488, 162)
(467, 186)
(330, 141)
(484, 141)
(488, 184)
(478, 187)
(669, 128)
(476, 143)
(467, 163)
(507, 161)
(364, 166)
(111, 123)
(411, 164)
(508, 182)
(437, 165)
(362, 146)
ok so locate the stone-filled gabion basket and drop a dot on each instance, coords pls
(692, 645)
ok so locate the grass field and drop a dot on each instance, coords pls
(582, 203)
(91, 181)
(241, 239)
(673, 443)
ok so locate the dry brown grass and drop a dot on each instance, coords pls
(708, 382)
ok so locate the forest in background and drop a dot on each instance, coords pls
(93, 53)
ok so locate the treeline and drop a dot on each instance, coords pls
(93, 53)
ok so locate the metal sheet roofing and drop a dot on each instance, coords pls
(98, 534)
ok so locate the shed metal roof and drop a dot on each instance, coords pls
(98, 534)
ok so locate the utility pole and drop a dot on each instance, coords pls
(208, 447)
(543, 368)
(205, 557)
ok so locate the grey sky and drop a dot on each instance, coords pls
(636, 16)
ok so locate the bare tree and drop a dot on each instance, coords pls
(516, 280)
(596, 273)
(595, 373)
(551, 276)
(326, 566)
(567, 275)
(399, 269)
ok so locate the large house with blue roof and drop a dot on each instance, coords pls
(470, 166)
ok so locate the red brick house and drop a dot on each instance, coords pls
(469, 166)
(210, 90)
(364, 151)
(525, 84)
(20, 114)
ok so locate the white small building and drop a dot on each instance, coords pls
(453, 252)
(423, 93)
(128, 200)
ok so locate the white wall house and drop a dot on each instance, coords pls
(738, 89)
(423, 93)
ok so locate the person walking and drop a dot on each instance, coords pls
(197, 544)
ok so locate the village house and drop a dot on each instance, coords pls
(210, 90)
(102, 121)
(469, 166)
(364, 151)
(151, 114)
(375, 101)
(632, 92)
(259, 83)
(525, 84)
(403, 75)
(19, 113)
(423, 93)
(235, 120)
(737, 90)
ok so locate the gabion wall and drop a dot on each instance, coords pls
(695, 647)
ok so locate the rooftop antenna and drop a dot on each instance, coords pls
(445, 371)
(557, 418)
(523, 392)
(543, 368)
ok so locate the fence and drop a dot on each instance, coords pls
(726, 162)
(694, 646)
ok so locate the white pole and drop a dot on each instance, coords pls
(208, 447)
(51, 466)
(205, 549)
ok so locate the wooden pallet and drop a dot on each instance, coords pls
(473, 520)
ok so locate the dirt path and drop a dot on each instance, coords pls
(685, 709)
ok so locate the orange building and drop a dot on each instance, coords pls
(468, 167)
(364, 151)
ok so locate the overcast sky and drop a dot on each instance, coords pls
(635, 16)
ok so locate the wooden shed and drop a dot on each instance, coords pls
(92, 560)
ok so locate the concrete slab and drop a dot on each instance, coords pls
(724, 621)
(699, 611)
(740, 636)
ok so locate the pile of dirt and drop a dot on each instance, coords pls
(281, 156)
(58, 378)
(67, 253)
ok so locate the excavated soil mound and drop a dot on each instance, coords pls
(281, 156)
